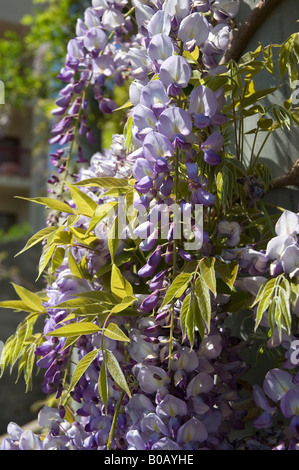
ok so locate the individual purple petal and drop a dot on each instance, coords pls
(144, 185)
(112, 19)
(165, 444)
(154, 96)
(134, 92)
(146, 271)
(152, 422)
(211, 157)
(276, 383)
(290, 260)
(260, 399)
(201, 121)
(103, 64)
(287, 224)
(160, 48)
(289, 403)
(176, 70)
(202, 196)
(214, 141)
(223, 9)
(201, 383)
(135, 440)
(277, 245)
(174, 122)
(150, 302)
(171, 406)
(151, 378)
(142, 168)
(95, 39)
(192, 431)
(263, 421)
(203, 101)
(30, 441)
(178, 8)
(159, 23)
(144, 117)
(195, 28)
(157, 145)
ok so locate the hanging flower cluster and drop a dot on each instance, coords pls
(144, 263)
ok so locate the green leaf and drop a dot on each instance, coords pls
(75, 329)
(207, 270)
(103, 384)
(113, 240)
(45, 258)
(228, 272)
(198, 319)
(84, 203)
(124, 304)
(204, 300)
(184, 313)
(50, 203)
(17, 305)
(177, 288)
(116, 372)
(81, 367)
(119, 260)
(105, 183)
(57, 259)
(38, 237)
(32, 300)
(190, 322)
(74, 267)
(120, 287)
(114, 332)
(263, 299)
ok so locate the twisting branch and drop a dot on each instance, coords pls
(289, 179)
(244, 32)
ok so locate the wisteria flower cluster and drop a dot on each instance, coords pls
(154, 246)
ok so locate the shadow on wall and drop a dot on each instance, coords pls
(15, 403)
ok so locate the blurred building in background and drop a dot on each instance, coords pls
(22, 173)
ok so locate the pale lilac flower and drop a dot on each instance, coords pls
(135, 440)
(112, 19)
(95, 39)
(276, 384)
(134, 92)
(201, 383)
(232, 230)
(160, 48)
(165, 444)
(192, 431)
(289, 403)
(171, 406)
(91, 18)
(151, 378)
(193, 30)
(152, 422)
(154, 96)
(104, 64)
(156, 145)
(159, 23)
(143, 14)
(30, 441)
(178, 8)
(175, 70)
(223, 9)
(290, 260)
(143, 117)
(174, 122)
